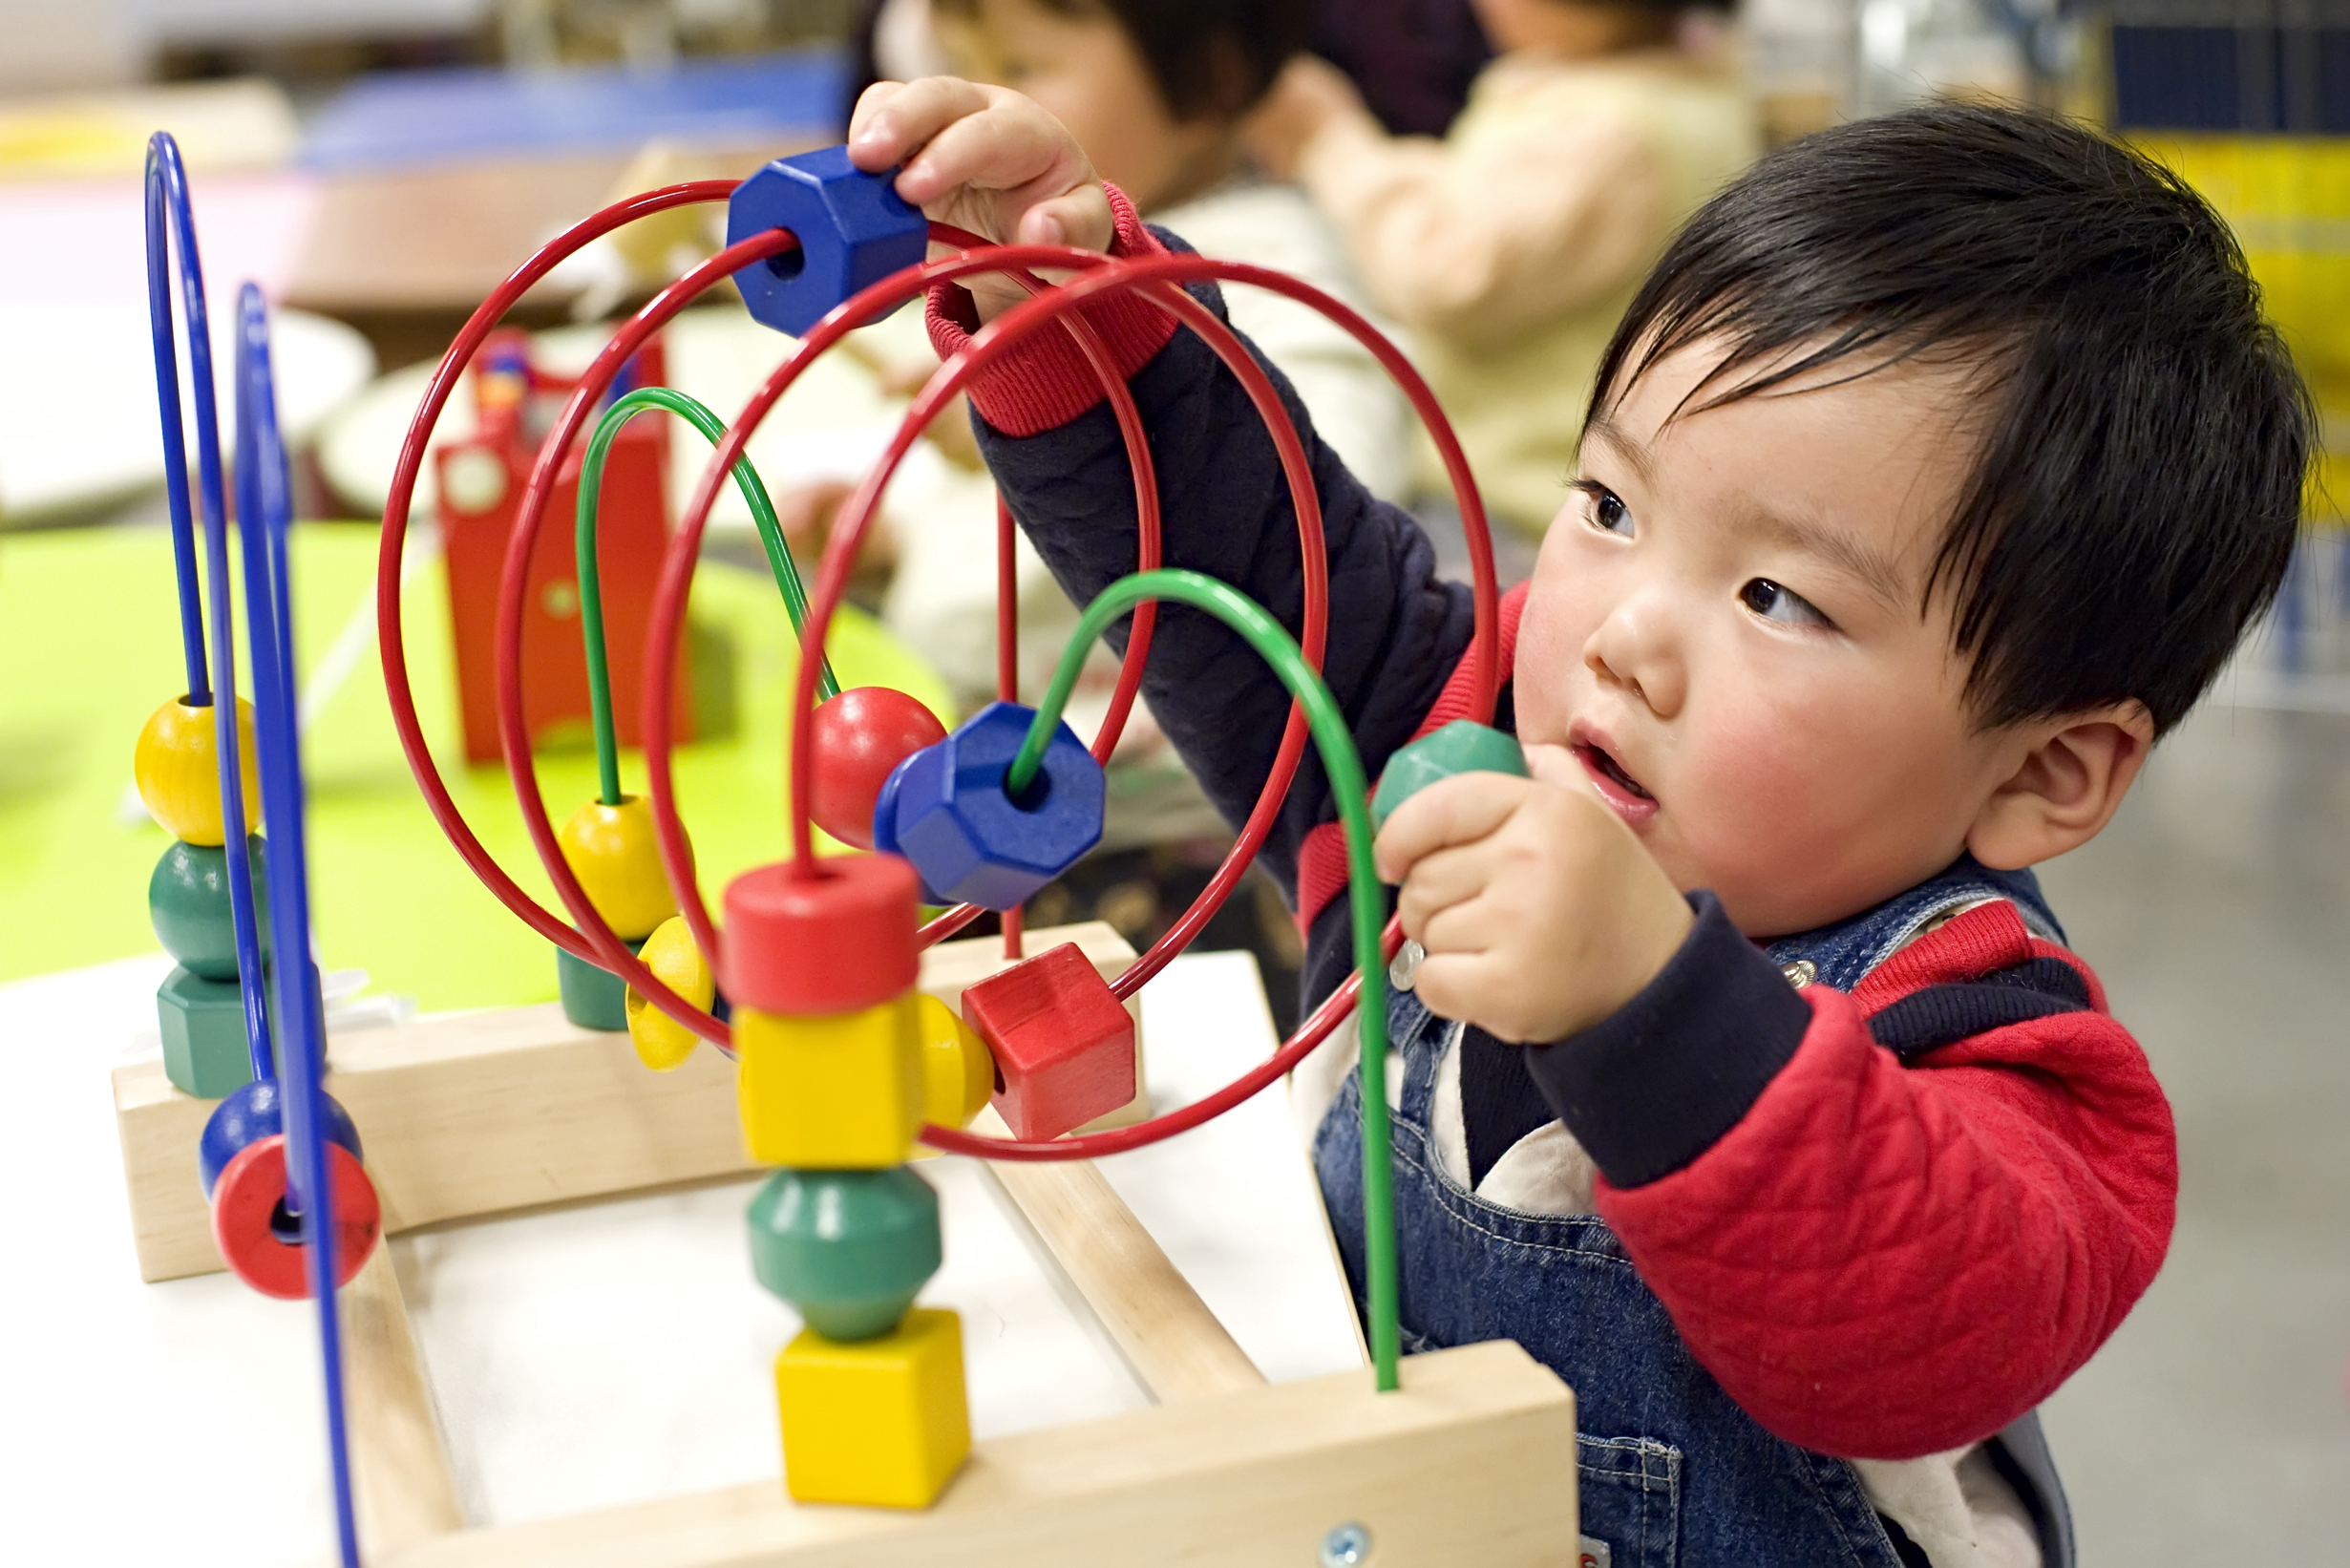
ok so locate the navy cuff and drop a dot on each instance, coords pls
(1655, 1085)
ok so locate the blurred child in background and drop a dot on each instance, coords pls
(1510, 247)
(1156, 92)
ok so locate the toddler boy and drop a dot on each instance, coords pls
(1743, 1076)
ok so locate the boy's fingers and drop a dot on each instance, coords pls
(1438, 881)
(1549, 764)
(1010, 147)
(1458, 810)
(1082, 219)
(893, 120)
(1452, 985)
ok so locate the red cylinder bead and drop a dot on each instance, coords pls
(837, 942)
(860, 735)
(247, 1218)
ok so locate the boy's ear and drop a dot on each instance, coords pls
(2072, 774)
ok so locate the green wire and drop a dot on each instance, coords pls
(591, 591)
(1340, 761)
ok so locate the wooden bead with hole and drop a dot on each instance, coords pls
(660, 1042)
(612, 851)
(859, 736)
(178, 770)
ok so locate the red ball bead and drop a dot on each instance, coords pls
(249, 1224)
(861, 736)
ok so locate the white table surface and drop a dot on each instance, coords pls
(585, 1357)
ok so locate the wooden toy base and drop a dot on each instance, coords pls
(1472, 1462)
(482, 1113)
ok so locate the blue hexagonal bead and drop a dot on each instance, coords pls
(853, 231)
(252, 1113)
(944, 809)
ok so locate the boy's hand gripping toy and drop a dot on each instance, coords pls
(1461, 747)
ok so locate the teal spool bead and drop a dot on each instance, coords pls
(1461, 747)
(593, 996)
(188, 899)
(850, 1249)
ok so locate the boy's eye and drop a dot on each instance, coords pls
(1774, 603)
(1608, 511)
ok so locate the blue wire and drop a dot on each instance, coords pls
(167, 186)
(163, 171)
(265, 505)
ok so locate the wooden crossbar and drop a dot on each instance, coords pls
(491, 1113)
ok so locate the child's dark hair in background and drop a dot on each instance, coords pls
(2145, 437)
(1211, 59)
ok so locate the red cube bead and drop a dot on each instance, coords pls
(1063, 1044)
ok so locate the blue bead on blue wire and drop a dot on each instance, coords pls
(252, 1113)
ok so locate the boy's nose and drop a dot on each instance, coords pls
(1631, 651)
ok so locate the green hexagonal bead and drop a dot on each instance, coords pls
(203, 1022)
(188, 899)
(1461, 747)
(850, 1249)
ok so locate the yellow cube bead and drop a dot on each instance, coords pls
(843, 1092)
(882, 1422)
(613, 852)
(957, 1074)
(662, 1041)
(178, 770)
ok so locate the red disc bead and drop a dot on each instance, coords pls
(837, 942)
(860, 734)
(247, 1214)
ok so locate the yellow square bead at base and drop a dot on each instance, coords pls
(843, 1092)
(882, 1422)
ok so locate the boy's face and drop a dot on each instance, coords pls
(1724, 635)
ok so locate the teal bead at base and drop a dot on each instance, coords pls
(594, 997)
(188, 899)
(202, 1020)
(850, 1249)
(1461, 747)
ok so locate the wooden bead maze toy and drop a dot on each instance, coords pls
(848, 1032)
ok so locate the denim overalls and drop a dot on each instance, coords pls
(1671, 1471)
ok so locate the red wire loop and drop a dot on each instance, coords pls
(1157, 279)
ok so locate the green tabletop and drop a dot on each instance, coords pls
(89, 646)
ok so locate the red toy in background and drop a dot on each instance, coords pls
(481, 480)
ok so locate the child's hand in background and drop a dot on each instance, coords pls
(1540, 911)
(1306, 98)
(986, 160)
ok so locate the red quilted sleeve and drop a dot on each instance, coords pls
(1044, 382)
(1882, 1260)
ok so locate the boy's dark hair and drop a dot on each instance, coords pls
(2139, 489)
(1211, 59)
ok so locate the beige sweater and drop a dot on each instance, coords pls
(1509, 249)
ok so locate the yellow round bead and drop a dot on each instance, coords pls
(662, 1041)
(612, 851)
(959, 1076)
(179, 771)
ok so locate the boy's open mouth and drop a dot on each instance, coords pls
(1607, 772)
